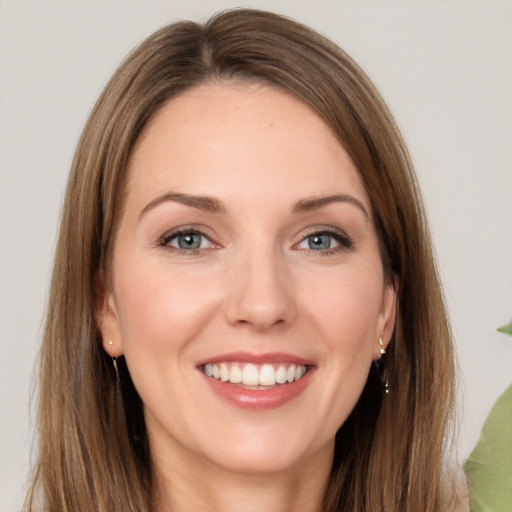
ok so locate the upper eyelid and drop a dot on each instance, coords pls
(194, 229)
(322, 229)
(327, 230)
(345, 240)
(181, 231)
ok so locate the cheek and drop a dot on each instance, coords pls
(160, 309)
(346, 315)
(345, 308)
(161, 312)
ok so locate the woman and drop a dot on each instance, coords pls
(245, 311)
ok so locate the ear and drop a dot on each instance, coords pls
(108, 318)
(387, 316)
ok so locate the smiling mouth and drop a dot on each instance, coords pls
(255, 376)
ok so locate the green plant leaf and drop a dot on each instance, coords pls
(507, 329)
(489, 467)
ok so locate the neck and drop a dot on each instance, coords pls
(203, 486)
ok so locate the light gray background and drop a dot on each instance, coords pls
(444, 67)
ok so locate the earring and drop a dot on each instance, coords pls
(114, 362)
(381, 368)
(386, 382)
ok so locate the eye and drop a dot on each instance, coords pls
(189, 240)
(325, 241)
(318, 242)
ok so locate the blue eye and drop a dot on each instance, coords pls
(319, 242)
(187, 241)
(325, 242)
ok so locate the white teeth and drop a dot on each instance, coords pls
(224, 373)
(281, 375)
(250, 375)
(235, 375)
(267, 375)
(255, 375)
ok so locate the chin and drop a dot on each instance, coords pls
(265, 449)
(264, 461)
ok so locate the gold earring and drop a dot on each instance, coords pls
(114, 362)
(381, 368)
(382, 349)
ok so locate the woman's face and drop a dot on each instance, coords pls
(248, 294)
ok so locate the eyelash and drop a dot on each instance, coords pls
(168, 237)
(344, 241)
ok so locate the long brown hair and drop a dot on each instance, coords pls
(94, 453)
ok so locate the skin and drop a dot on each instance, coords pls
(257, 283)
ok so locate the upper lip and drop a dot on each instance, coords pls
(256, 358)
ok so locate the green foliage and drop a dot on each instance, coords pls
(489, 467)
(507, 329)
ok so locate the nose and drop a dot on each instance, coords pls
(260, 293)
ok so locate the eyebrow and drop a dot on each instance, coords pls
(204, 203)
(213, 205)
(315, 203)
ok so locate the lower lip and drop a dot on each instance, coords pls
(261, 399)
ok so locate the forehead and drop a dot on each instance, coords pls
(236, 140)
